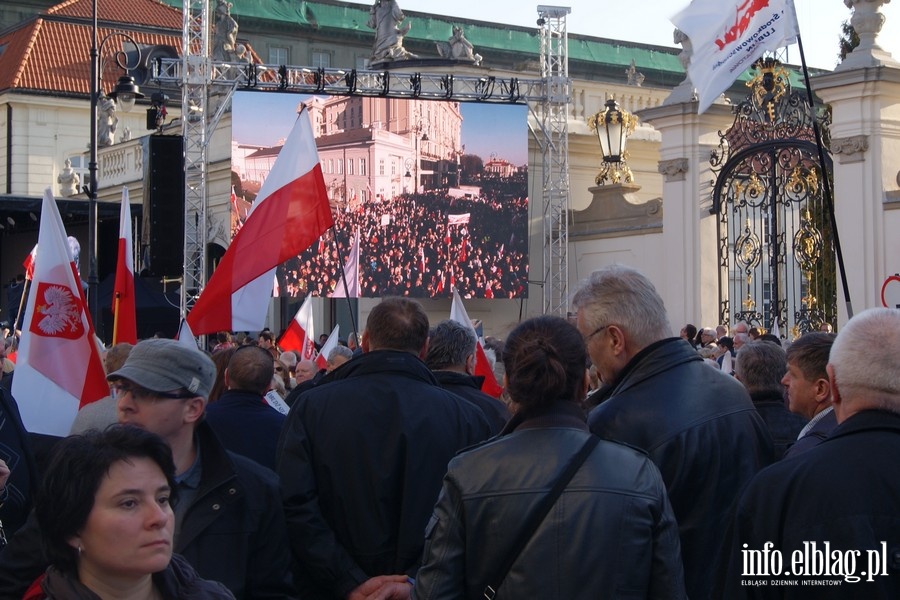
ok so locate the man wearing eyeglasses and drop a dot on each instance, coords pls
(229, 523)
(697, 424)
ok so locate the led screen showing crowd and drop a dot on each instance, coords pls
(427, 196)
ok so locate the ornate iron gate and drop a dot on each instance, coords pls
(775, 250)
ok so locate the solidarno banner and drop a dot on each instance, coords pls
(729, 35)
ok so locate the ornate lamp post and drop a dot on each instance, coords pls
(613, 126)
(126, 92)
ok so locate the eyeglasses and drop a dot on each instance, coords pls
(142, 394)
(587, 338)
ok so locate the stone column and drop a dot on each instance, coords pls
(690, 239)
(867, 21)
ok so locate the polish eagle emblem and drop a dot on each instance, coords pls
(57, 313)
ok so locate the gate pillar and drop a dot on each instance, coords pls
(689, 230)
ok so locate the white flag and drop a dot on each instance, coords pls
(351, 272)
(729, 35)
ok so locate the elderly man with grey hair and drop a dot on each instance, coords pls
(697, 424)
(451, 357)
(761, 367)
(338, 356)
(840, 494)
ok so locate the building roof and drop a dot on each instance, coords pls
(659, 63)
(50, 53)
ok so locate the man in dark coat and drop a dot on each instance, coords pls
(229, 524)
(696, 423)
(241, 418)
(362, 457)
(760, 367)
(451, 357)
(830, 515)
(807, 388)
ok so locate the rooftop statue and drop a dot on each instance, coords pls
(224, 45)
(385, 18)
(458, 47)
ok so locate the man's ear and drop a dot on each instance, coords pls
(227, 380)
(193, 409)
(364, 344)
(823, 390)
(424, 351)
(470, 364)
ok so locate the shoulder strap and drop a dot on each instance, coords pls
(539, 513)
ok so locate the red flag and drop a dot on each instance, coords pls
(289, 214)
(58, 368)
(329, 345)
(482, 365)
(300, 334)
(124, 311)
(28, 263)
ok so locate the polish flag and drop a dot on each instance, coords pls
(329, 345)
(28, 263)
(289, 214)
(300, 334)
(351, 272)
(58, 369)
(482, 366)
(124, 311)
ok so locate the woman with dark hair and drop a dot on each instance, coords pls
(609, 532)
(105, 515)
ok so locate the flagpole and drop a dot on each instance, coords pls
(115, 335)
(21, 304)
(337, 249)
(826, 181)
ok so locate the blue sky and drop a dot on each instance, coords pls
(263, 118)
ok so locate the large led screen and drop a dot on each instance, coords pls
(435, 193)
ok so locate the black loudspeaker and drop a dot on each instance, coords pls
(163, 232)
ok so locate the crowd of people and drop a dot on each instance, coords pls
(420, 246)
(386, 473)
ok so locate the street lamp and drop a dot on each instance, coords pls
(613, 126)
(126, 92)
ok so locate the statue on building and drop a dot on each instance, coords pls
(385, 18)
(635, 77)
(224, 46)
(458, 47)
(69, 180)
(683, 92)
(107, 122)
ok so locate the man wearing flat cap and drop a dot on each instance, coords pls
(229, 523)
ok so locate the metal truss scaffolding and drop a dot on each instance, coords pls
(198, 75)
(195, 79)
(555, 99)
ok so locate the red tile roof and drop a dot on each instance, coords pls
(51, 52)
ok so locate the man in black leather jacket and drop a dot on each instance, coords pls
(229, 522)
(361, 458)
(697, 424)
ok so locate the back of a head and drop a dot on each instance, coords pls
(690, 331)
(289, 358)
(74, 473)
(864, 358)
(760, 367)
(623, 296)
(810, 352)
(250, 369)
(339, 351)
(545, 363)
(449, 345)
(397, 324)
(116, 356)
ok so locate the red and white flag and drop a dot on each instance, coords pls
(28, 263)
(301, 334)
(124, 306)
(482, 365)
(58, 369)
(729, 35)
(330, 344)
(351, 272)
(289, 214)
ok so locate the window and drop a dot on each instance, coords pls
(362, 166)
(278, 55)
(381, 166)
(362, 63)
(321, 59)
(331, 165)
(350, 167)
(340, 166)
